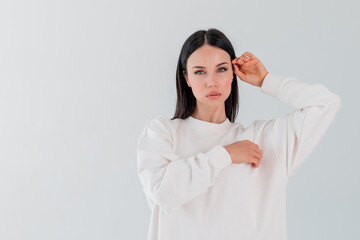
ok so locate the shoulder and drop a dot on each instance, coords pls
(161, 125)
(258, 126)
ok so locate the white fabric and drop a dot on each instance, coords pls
(195, 191)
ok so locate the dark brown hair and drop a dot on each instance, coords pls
(186, 101)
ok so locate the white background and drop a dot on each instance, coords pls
(80, 79)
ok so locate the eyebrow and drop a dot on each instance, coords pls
(216, 65)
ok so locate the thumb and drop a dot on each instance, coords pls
(239, 73)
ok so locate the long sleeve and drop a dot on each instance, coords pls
(169, 180)
(296, 134)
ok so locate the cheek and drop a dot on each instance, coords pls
(229, 82)
(227, 86)
(196, 88)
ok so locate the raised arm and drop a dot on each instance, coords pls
(169, 180)
(296, 134)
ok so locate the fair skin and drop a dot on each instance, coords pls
(209, 74)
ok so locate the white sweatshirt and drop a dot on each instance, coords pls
(194, 190)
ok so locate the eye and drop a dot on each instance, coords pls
(222, 69)
(197, 72)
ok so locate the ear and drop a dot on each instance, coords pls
(186, 79)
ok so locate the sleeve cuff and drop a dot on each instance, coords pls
(271, 84)
(219, 156)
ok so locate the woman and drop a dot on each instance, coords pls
(206, 176)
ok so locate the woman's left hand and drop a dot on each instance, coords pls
(249, 70)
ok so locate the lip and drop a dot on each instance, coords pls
(213, 95)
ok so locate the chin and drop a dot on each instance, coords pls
(215, 102)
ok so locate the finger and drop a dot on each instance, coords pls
(245, 58)
(249, 59)
(249, 62)
(256, 162)
(258, 156)
(236, 68)
(234, 60)
(249, 54)
(240, 60)
(239, 73)
(255, 146)
(253, 165)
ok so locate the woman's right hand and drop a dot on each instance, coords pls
(245, 152)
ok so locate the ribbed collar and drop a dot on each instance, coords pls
(208, 126)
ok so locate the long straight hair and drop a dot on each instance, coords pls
(186, 101)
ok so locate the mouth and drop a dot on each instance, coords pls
(213, 95)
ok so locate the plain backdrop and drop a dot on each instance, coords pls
(80, 79)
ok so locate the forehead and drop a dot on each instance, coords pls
(208, 56)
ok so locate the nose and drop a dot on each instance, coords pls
(211, 82)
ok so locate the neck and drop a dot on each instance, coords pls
(210, 114)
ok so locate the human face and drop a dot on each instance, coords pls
(209, 74)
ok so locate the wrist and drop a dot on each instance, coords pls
(263, 78)
(228, 149)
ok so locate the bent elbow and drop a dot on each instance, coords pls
(335, 103)
(158, 192)
(338, 101)
(166, 201)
